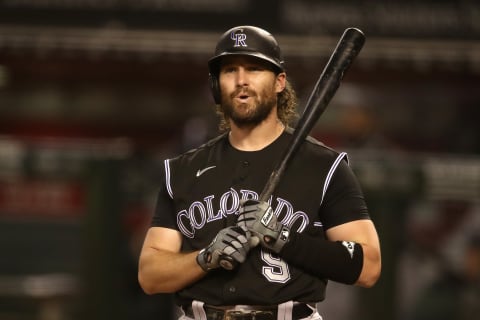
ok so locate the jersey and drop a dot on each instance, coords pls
(201, 195)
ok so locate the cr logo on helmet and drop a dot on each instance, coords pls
(239, 38)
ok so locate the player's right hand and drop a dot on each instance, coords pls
(229, 248)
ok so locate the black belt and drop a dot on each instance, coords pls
(299, 311)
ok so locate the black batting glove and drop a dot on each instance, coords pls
(229, 248)
(258, 218)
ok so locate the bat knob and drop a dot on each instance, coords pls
(227, 263)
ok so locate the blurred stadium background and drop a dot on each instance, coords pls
(94, 94)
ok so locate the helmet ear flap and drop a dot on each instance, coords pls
(214, 87)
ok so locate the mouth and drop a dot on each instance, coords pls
(242, 96)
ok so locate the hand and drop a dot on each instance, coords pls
(258, 218)
(229, 248)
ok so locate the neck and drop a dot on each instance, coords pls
(256, 137)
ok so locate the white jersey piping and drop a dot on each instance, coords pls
(331, 172)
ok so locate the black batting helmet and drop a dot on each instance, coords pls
(244, 40)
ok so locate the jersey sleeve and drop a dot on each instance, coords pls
(163, 215)
(343, 200)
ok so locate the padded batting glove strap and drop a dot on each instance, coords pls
(229, 247)
(258, 218)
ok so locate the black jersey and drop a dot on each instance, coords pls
(201, 195)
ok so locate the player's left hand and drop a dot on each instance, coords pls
(258, 218)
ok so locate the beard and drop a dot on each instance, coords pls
(251, 113)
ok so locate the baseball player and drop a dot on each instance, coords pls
(224, 253)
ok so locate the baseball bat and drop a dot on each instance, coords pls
(345, 52)
(327, 84)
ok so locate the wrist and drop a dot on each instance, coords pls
(202, 258)
(276, 240)
(283, 238)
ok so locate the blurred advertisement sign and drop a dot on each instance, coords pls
(41, 198)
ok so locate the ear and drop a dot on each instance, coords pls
(215, 88)
(280, 82)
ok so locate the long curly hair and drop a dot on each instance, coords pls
(287, 103)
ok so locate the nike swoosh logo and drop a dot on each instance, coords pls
(200, 172)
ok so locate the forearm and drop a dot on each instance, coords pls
(349, 263)
(323, 258)
(163, 271)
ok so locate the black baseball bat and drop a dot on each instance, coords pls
(345, 52)
(327, 84)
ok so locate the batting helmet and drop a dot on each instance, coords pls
(243, 40)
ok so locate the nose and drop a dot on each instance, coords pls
(242, 78)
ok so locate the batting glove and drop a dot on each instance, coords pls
(258, 218)
(229, 248)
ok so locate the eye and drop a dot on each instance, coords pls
(228, 69)
(255, 67)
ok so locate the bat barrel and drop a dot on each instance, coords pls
(345, 52)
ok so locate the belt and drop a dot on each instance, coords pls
(299, 311)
